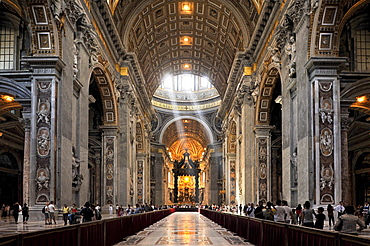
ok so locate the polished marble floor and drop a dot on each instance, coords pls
(185, 228)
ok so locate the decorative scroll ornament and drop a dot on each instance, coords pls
(77, 177)
(294, 164)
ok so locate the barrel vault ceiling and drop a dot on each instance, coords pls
(173, 37)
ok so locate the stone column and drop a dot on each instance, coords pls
(263, 146)
(109, 162)
(325, 90)
(125, 182)
(247, 147)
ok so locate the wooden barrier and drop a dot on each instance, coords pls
(268, 233)
(105, 232)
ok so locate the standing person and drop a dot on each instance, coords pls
(298, 211)
(294, 217)
(25, 213)
(307, 215)
(4, 213)
(65, 211)
(16, 211)
(110, 209)
(365, 211)
(240, 209)
(258, 212)
(349, 222)
(251, 212)
(288, 211)
(45, 211)
(339, 209)
(330, 210)
(52, 213)
(270, 211)
(280, 212)
(320, 218)
(98, 212)
(87, 213)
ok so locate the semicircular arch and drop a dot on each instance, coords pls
(265, 97)
(106, 89)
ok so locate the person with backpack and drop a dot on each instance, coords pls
(87, 213)
(270, 211)
(45, 211)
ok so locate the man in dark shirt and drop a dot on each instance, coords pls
(320, 218)
(258, 212)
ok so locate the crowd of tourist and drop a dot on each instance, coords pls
(348, 219)
(340, 218)
(18, 212)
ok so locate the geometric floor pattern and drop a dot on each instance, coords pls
(184, 228)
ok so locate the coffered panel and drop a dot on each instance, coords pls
(169, 40)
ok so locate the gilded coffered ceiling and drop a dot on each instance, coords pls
(174, 37)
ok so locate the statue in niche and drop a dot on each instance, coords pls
(76, 176)
(290, 50)
(42, 179)
(75, 60)
(131, 186)
(293, 162)
(43, 111)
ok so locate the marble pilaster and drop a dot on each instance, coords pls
(263, 146)
(347, 187)
(324, 78)
(44, 171)
(109, 162)
(26, 120)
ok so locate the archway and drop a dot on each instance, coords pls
(10, 179)
(362, 177)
